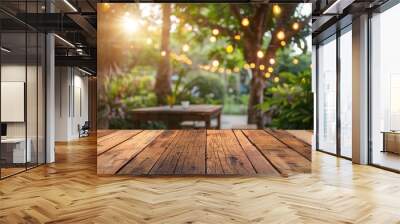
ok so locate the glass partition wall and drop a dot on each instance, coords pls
(327, 95)
(22, 87)
(385, 89)
(334, 93)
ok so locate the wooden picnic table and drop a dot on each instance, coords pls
(173, 116)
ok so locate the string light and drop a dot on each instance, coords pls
(149, 41)
(260, 54)
(188, 27)
(252, 65)
(295, 61)
(276, 9)
(215, 32)
(163, 53)
(245, 22)
(267, 75)
(283, 43)
(280, 35)
(215, 63)
(213, 39)
(221, 70)
(276, 79)
(270, 69)
(296, 26)
(185, 48)
(237, 37)
(262, 67)
(236, 69)
(246, 66)
(106, 6)
(228, 71)
(229, 49)
(272, 61)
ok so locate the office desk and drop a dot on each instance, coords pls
(13, 150)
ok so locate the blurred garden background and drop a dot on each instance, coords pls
(252, 59)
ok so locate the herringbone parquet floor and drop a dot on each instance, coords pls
(70, 192)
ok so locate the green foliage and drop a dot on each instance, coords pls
(290, 102)
(236, 104)
(204, 89)
(124, 93)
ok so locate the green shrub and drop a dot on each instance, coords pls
(290, 102)
(204, 89)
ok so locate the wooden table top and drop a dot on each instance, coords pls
(178, 109)
(201, 152)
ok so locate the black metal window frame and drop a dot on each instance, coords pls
(334, 37)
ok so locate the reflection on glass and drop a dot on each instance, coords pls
(327, 97)
(31, 97)
(346, 94)
(385, 94)
(14, 153)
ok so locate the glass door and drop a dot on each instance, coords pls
(385, 89)
(327, 96)
(346, 92)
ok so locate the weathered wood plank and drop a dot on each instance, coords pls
(101, 133)
(167, 163)
(193, 159)
(112, 160)
(233, 159)
(291, 141)
(281, 157)
(109, 141)
(214, 166)
(144, 161)
(259, 162)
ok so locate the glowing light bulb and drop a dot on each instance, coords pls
(215, 63)
(260, 54)
(246, 66)
(280, 35)
(272, 61)
(237, 37)
(296, 26)
(276, 9)
(295, 61)
(215, 32)
(270, 69)
(276, 79)
(185, 48)
(267, 75)
(163, 53)
(252, 65)
(149, 41)
(245, 22)
(106, 6)
(229, 49)
(213, 39)
(262, 67)
(283, 43)
(236, 69)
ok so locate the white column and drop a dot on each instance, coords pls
(50, 98)
(360, 90)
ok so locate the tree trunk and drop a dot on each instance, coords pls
(163, 79)
(255, 115)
